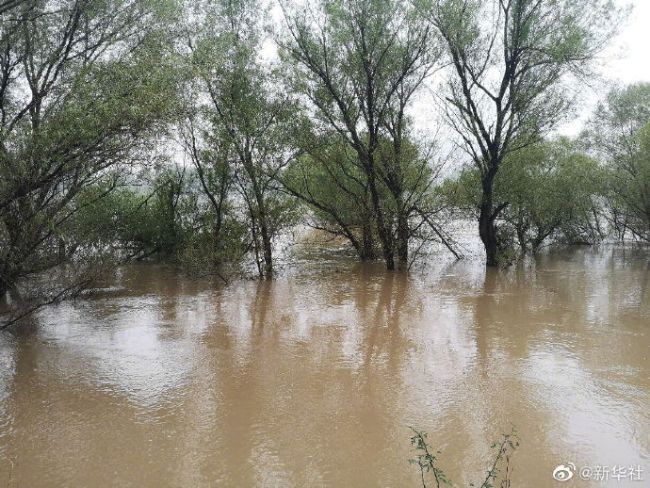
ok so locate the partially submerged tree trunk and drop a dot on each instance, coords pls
(488, 232)
(383, 228)
(488, 214)
(4, 288)
(502, 95)
(267, 247)
(248, 113)
(363, 61)
(403, 236)
(486, 229)
(367, 251)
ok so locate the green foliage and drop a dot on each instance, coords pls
(510, 62)
(619, 134)
(549, 193)
(89, 89)
(332, 181)
(333, 185)
(551, 190)
(168, 220)
(629, 188)
(462, 192)
(427, 462)
(358, 64)
(241, 132)
(138, 222)
(204, 254)
(84, 85)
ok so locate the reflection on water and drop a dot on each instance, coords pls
(313, 379)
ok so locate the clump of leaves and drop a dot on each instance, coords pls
(501, 464)
(500, 467)
(425, 460)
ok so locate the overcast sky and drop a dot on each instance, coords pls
(626, 61)
(629, 58)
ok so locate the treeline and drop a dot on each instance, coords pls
(199, 131)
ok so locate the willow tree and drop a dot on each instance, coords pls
(330, 181)
(359, 63)
(511, 64)
(82, 84)
(619, 134)
(553, 191)
(247, 118)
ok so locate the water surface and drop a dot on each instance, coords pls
(314, 379)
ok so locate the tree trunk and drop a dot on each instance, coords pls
(487, 228)
(260, 211)
(386, 244)
(256, 247)
(267, 248)
(4, 287)
(367, 251)
(521, 229)
(488, 232)
(389, 258)
(385, 235)
(8, 278)
(403, 234)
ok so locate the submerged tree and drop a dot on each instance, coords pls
(552, 190)
(82, 86)
(329, 179)
(359, 63)
(510, 61)
(332, 182)
(619, 134)
(247, 121)
(149, 218)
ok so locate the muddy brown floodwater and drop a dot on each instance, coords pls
(313, 379)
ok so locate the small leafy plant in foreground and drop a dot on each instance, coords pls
(427, 463)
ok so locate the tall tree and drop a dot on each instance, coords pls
(619, 134)
(511, 62)
(82, 85)
(249, 117)
(359, 63)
